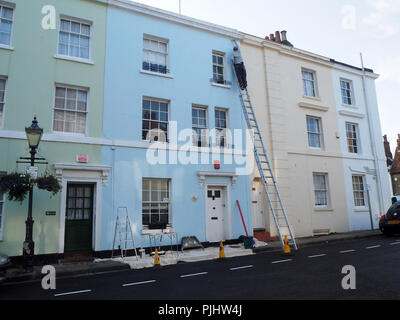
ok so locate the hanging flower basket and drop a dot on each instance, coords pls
(50, 183)
(16, 185)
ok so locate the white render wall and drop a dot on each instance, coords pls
(362, 163)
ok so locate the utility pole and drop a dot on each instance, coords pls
(180, 6)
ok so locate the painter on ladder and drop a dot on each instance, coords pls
(239, 67)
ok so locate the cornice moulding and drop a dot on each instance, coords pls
(174, 17)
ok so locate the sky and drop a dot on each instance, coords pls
(339, 29)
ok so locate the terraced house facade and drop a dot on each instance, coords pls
(58, 75)
(320, 121)
(141, 115)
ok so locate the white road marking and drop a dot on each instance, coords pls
(281, 261)
(317, 256)
(193, 274)
(394, 243)
(137, 283)
(373, 247)
(239, 268)
(73, 292)
(347, 251)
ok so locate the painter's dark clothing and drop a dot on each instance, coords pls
(241, 75)
(239, 68)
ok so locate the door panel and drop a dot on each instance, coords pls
(215, 214)
(79, 218)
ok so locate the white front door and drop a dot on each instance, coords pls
(215, 215)
(257, 207)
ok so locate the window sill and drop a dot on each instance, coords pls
(68, 134)
(157, 231)
(6, 47)
(349, 106)
(163, 75)
(73, 59)
(361, 209)
(323, 209)
(221, 85)
(312, 98)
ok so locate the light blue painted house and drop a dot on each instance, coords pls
(173, 113)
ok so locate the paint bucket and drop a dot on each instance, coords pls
(248, 242)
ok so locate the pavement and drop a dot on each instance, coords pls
(109, 265)
(314, 272)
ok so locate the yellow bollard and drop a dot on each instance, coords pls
(221, 251)
(156, 259)
(286, 247)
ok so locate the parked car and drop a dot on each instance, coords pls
(395, 199)
(389, 224)
(4, 265)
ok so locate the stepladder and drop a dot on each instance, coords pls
(265, 169)
(123, 235)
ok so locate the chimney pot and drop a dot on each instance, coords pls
(284, 35)
(277, 36)
(272, 37)
(266, 38)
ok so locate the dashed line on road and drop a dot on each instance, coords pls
(347, 251)
(281, 261)
(138, 283)
(193, 274)
(373, 247)
(317, 256)
(73, 292)
(394, 243)
(239, 268)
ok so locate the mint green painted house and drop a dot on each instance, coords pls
(57, 75)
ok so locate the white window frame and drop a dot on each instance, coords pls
(349, 90)
(78, 88)
(362, 191)
(70, 57)
(356, 131)
(158, 121)
(224, 131)
(313, 81)
(2, 120)
(325, 190)
(320, 135)
(204, 130)
(223, 65)
(169, 224)
(12, 6)
(167, 56)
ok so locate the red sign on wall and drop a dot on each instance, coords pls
(82, 158)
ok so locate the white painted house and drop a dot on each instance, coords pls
(360, 133)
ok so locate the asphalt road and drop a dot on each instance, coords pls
(313, 272)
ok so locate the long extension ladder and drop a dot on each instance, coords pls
(266, 173)
(125, 235)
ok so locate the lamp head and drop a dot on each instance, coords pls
(34, 134)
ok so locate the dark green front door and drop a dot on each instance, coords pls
(79, 219)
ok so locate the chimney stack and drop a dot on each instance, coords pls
(277, 36)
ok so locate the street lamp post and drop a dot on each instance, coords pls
(34, 134)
